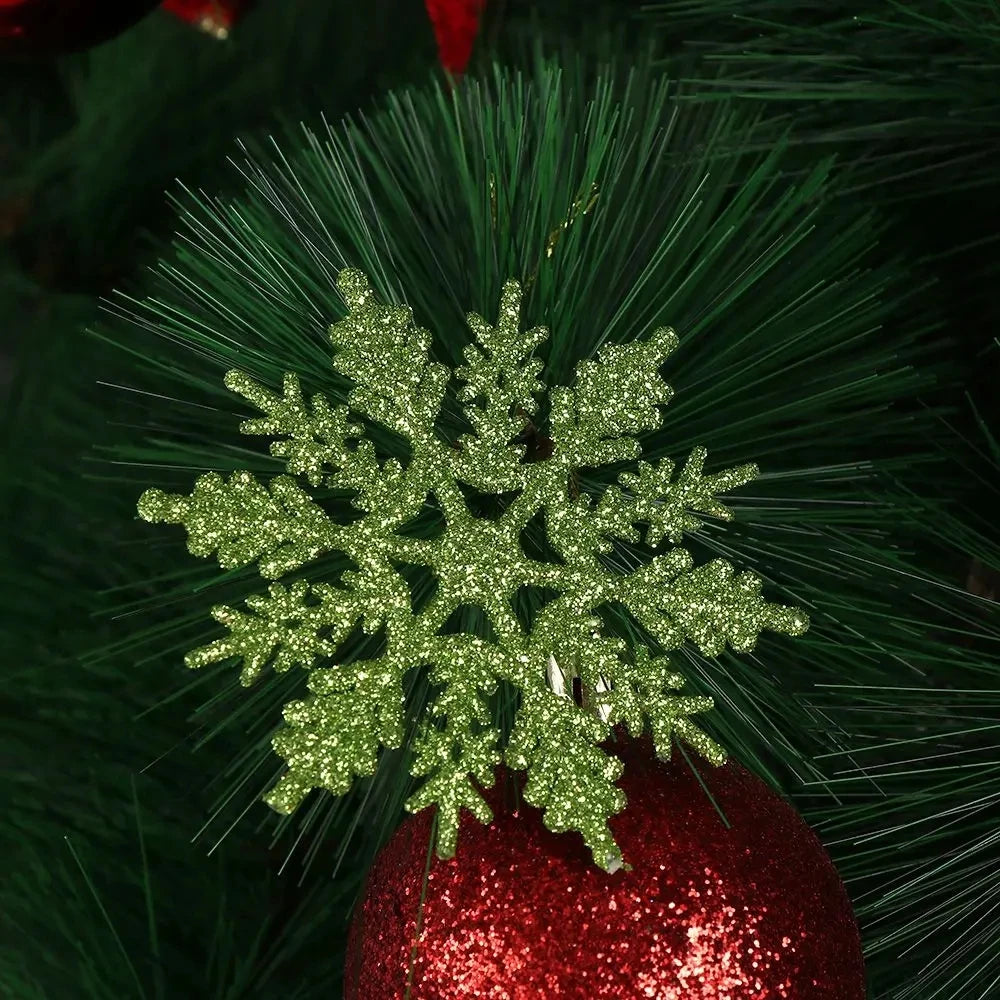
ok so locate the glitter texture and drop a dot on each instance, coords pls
(753, 912)
(356, 706)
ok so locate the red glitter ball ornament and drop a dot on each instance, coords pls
(51, 26)
(702, 911)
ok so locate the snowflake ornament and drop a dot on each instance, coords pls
(357, 706)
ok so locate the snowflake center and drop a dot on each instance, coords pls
(479, 560)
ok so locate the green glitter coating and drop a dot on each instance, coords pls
(356, 708)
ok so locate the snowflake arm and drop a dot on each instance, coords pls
(714, 606)
(456, 744)
(315, 441)
(569, 775)
(245, 522)
(709, 605)
(575, 529)
(335, 735)
(285, 631)
(631, 693)
(650, 497)
(669, 713)
(316, 447)
(616, 395)
(386, 355)
(501, 382)
(381, 594)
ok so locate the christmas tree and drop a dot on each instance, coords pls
(552, 401)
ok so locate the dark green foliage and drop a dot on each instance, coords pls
(923, 69)
(904, 91)
(163, 101)
(918, 764)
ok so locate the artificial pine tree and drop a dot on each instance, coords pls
(621, 203)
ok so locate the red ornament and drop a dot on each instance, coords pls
(51, 26)
(456, 24)
(755, 911)
(216, 17)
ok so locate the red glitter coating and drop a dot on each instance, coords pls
(701, 912)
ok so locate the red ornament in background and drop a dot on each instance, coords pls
(216, 17)
(456, 24)
(52, 26)
(755, 911)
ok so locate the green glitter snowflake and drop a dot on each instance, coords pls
(357, 707)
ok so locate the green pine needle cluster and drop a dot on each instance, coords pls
(916, 766)
(903, 89)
